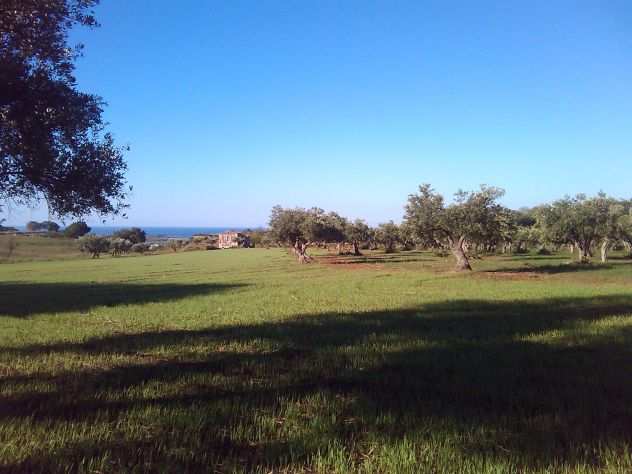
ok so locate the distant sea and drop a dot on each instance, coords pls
(159, 232)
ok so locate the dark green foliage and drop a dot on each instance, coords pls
(94, 245)
(76, 230)
(134, 234)
(358, 233)
(388, 235)
(474, 218)
(584, 221)
(53, 143)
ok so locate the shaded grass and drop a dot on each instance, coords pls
(260, 364)
(22, 299)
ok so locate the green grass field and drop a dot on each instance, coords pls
(244, 361)
(34, 247)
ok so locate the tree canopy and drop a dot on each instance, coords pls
(135, 235)
(584, 222)
(53, 141)
(473, 216)
(76, 230)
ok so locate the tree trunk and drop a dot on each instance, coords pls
(605, 246)
(572, 248)
(356, 249)
(462, 262)
(300, 250)
(340, 248)
(584, 252)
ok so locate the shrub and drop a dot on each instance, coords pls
(120, 246)
(136, 235)
(76, 230)
(544, 251)
(140, 248)
(174, 244)
(94, 245)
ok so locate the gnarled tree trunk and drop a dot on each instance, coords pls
(583, 250)
(462, 262)
(605, 246)
(300, 250)
(356, 249)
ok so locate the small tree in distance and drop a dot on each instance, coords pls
(582, 222)
(135, 235)
(76, 230)
(94, 245)
(357, 232)
(388, 234)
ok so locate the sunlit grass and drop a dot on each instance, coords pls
(244, 361)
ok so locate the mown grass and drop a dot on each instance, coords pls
(244, 361)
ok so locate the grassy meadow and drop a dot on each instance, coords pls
(22, 248)
(244, 361)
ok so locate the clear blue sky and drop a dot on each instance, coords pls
(232, 107)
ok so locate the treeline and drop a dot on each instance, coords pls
(119, 243)
(474, 223)
(53, 229)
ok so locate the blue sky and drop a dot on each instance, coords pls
(232, 107)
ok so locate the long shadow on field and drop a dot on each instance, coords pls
(27, 299)
(381, 258)
(554, 268)
(470, 370)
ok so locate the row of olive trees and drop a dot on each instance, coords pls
(586, 223)
(473, 223)
(121, 242)
(299, 228)
(476, 222)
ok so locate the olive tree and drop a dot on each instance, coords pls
(473, 217)
(388, 235)
(625, 227)
(76, 230)
(357, 232)
(94, 245)
(134, 234)
(582, 222)
(53, 139)
(299, 228)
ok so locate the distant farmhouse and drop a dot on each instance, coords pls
(233, 239)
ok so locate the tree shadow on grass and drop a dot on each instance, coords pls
(409, 256)
(462, 367)
(554, 269)
(22, 300)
